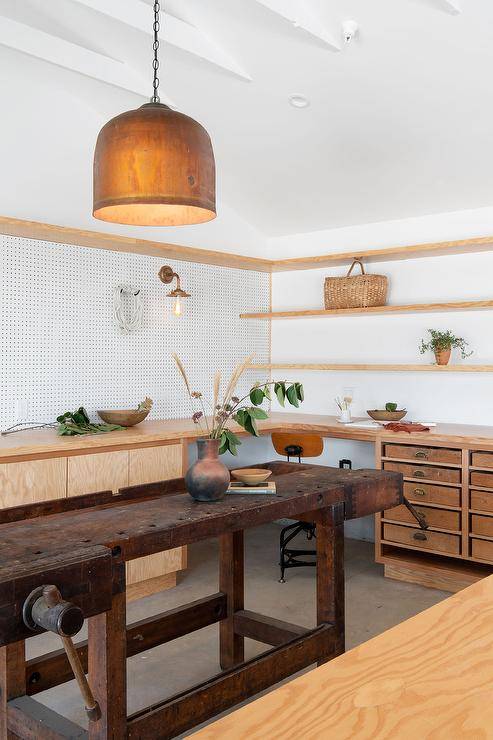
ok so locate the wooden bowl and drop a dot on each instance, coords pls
(251, 476)
(382, 415)
(125, 418)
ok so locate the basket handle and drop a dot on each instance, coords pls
(356, 261)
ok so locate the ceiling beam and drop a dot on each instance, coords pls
(296, 12)
(137, 14)
(453, 7)
(41, 45)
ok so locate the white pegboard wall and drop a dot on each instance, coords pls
(60, 348)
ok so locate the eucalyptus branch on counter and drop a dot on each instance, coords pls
(71, 424)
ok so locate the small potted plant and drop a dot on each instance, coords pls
(441, 344)
(208, 478)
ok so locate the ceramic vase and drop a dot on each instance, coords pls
(442, 356)
(208, 478)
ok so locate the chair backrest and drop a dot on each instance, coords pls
(296, 444)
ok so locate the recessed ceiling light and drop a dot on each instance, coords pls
(299, 101)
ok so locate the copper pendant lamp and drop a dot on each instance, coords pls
(154, 166)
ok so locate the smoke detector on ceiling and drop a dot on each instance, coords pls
(349, 31)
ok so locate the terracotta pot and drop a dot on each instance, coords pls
(442, 356)
(207, 479)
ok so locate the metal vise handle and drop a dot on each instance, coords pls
(44, 608)
(420, 518)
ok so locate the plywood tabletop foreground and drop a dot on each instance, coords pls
(429, 677)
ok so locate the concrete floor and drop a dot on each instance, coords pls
(373, 604)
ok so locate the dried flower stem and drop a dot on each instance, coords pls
(183, 373)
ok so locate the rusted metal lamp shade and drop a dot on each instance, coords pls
(154, 166)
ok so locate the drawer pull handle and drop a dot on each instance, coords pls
(421, 455)
(418, 474)
(419, 536)
(419, 492)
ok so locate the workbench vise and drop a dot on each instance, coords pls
(44, 609)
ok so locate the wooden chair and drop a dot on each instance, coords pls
(296, 445)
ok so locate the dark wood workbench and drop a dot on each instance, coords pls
(81, 548)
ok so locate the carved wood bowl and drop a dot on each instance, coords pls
(382, 415)
(251, 476)
(124, 417)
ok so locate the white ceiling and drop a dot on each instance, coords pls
(400, 122)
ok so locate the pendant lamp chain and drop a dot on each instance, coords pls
(155, 46)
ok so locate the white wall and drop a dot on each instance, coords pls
(393, 338)
(432, 228)
(46, 151)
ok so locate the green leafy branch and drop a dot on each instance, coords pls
(247, 416)
(77, 422)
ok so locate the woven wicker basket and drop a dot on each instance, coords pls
(358, 291)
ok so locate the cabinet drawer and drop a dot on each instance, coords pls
(434, 517)
(481, 501)
(482, 459)
(33, 481)
(433, 454)
(482, 525)
(105, 471)
(152, 566)
(447, 475)
(421, 540)
(430, 494)
(482, 479)
(482, 549)
(152, 464)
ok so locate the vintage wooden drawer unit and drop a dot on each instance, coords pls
(451, 485)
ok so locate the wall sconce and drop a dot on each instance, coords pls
(167, 275)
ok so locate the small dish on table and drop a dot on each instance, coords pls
(251, 476)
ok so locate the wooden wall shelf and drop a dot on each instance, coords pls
(410, 308)
(370, 367)
(387, 254)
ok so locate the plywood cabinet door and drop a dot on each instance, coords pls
(151, 464)
(29, 482)
(148, 465)
(105, 471)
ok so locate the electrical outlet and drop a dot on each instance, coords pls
(22, 409)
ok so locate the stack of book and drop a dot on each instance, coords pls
(263, 488)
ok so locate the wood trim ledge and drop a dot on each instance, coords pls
(100, 240)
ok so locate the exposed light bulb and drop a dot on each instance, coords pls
(177, 307)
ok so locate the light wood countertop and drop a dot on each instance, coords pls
(429, 677)
(45, 443)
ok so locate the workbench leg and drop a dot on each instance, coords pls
(107, 662)
(12, 681)
(231, 583)
(330, 572)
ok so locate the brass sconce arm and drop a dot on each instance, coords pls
(167, 275)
